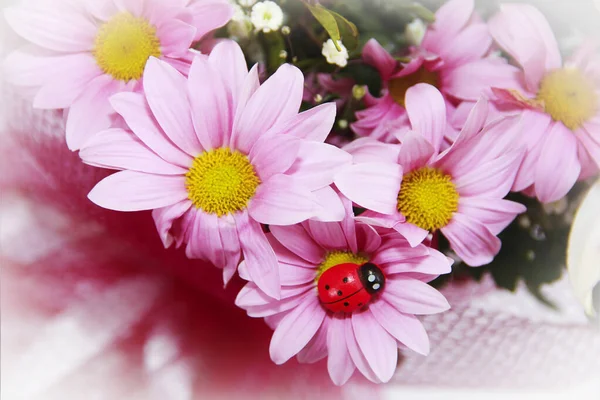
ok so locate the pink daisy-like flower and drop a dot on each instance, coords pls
(348, 294)
(216, 163)
(458, 191)
(452, 57)
(86, 51)
(559, 104)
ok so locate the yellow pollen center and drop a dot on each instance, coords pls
(124, 44)
(399, 86)
(334, 258)
(568, 96)
(221, 181)
(428, 198)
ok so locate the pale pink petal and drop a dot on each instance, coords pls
(407, 329)
(76, 73)
(210, 104)
(367, 149)
(296, 330)
(273, 155)
(471, 240)
(538, 125)
(210, 15)
(473, 125)
(26, 67)
(228, 59)
(348, 225)
(339, 362)
(119, 149)
(275, 102)
(176, 38)
(377, 345)
(495, 213)
(250, 295)
(318, 163)
(163, 86)
(381, 220)
(164, 218)
(260, 258)
(415, 152)
(205, 241)
(357, 356)
(433, 264)
(589, 138)
(137, 114)
(136, 191)
(316, 349)
(395, 251)
(411, 296)
(451, 17)
(314, 124)
(91, 112)
(426, 110)
(367, 238)
(230, 245)
(413, 234)
(249, 87)
(328, 234)
(277, 310)
(282, 201)
(331, 207)
(376, 56)
(471, 44)
(298, 241)
(373, 186)
(53, 27)
(470, 80)
(291, 275)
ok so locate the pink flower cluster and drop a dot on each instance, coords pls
(335, 242)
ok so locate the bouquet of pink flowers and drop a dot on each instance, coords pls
(338, 164)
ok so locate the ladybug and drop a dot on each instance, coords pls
(348, 287)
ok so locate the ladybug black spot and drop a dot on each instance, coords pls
(346, 304)
(339, 292)
(345, 280)
(326, 287)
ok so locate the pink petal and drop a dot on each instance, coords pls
(296, 330)
(451, 17)
(317, 164)
(228, 59)
(367, 238)
(377, 345)
(471, 240)
(394, 251)
(376, 56)
(137, 114)
(91, 112)
(53, 27)
(276, 101)
(413, 234)
(339, 362)
(281, 306)
(282, 201)
(273, 155)
(136, 191)
(348, 225)
(495, 213)
(249, 87)
(176, 38)
(298, 241)
(411, 296)
(118, 149)
(415, 152)
(205, 241)
(230, 245)
(471, 44)
(210, 15)
(210, 104)
(291, 275)
(164, 218)
(316, 349)
(314, 124)
(590, 141)
(331, 208)
(434, 264)
(373, 186)
(260, 258)
(426, 110)
(163, 86)
(328, 234)
(370, 150)
(76, 73)
(555, 176)
(356, 354)
(407, 329)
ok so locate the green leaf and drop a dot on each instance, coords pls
(338, 27)
(348, 31)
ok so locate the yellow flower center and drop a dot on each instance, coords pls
(568, 96)
(221, 181)
(428, 198)
(334, 258)
(124, 44)
(399, 86)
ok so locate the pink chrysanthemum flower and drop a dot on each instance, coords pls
(559, 104)
(348, 294)
(458, 191)
(216, 163)
(86, 51)
(453, 57)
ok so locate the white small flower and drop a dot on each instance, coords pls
(246, 3)
(334, 56)
(266, 16)
(415, 31)
(238, 13)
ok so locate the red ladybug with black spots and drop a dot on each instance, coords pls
(348, 287)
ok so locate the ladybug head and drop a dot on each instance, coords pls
(371, 277)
